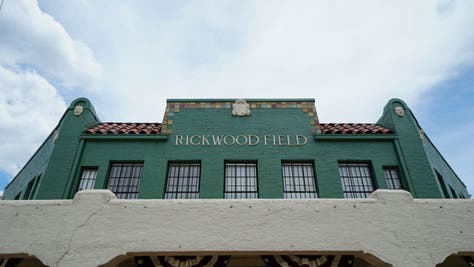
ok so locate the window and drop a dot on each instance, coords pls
(17, 197)
(183, 180)
(28, 189)
(35, 187)
(392, 178)
(298, 180)
(453, 193)
(356, 180)
(445, 193)
(124, 179)
(240, 180)
(88, 177)
(31, 188)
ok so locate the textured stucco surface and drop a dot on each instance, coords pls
(94, 227)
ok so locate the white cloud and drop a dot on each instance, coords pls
(35, 52)
(29, 109)
(33, 39)
(351, 57)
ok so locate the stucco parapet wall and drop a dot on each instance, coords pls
(95, 227)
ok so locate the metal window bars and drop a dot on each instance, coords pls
(124, 179)
(240, 180)
(298, 180)
(88, 177)
(356, 180)
(183, 181)
(392, 178)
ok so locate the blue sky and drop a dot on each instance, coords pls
(127, 57)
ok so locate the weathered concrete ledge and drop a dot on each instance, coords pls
(95, 227)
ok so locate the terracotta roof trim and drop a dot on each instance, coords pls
(119, 128)
(154, 128)
(353, 128)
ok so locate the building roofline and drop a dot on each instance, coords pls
(58, 124)
(436, 149)
(182, 100)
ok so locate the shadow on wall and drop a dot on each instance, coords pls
(458, 260)
(348, 259)
(20, 260)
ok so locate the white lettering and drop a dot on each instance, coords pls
(265, 138)
(205, 140)
(241, 140)
(195, 143)
(298, 143)
(227, 143)
(187, 140)
(179, 140)
(239, 137)
(256, 138)
(217, 139)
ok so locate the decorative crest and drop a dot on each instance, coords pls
(240, 108)
(55, 136)
(78, 110)
(400, 111)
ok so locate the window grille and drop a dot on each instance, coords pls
(88, 177)
(240, 180)
(183, 180)
(124, 179)
(392, 178)
(35, 187)
(298, 180)
(443, 185)
(453, 193)
(356, 180)
(27, 194)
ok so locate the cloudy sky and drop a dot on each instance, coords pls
(127, 57)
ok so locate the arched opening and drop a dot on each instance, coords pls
(465, 259)
(245, 260)
(20, 260)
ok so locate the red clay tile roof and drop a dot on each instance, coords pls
(353, 128)
(155, 128)
(125, 128)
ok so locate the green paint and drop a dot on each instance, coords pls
(280, 133)
(421, 157)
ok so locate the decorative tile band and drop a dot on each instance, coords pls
(172, 108)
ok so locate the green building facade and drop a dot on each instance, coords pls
(227, 148)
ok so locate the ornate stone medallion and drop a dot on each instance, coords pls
(240, 108)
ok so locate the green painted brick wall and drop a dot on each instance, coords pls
(35, 167)
(449, 177)
(156, 155)
(421, 156)
(61, 163)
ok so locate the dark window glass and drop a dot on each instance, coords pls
(298, 180)
(453, 193)
(392, 178)
(442, 184)
(88, 177)
(124, 179)
(183, 180)
(240, 180)
(356, 180)
(28, 189)
(17, 197)
(35, 187)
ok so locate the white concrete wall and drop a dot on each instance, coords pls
(95, 227)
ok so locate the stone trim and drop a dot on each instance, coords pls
(172, 108)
